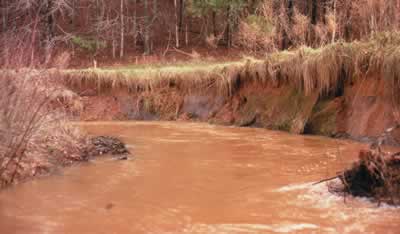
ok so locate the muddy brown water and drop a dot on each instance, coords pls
(197, 178)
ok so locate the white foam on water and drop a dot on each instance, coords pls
(294, 227)
(294, 187)
(248, 228)
(357, 213)
(321, 196)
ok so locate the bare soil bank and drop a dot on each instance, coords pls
(361, 110)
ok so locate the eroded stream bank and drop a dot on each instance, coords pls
(362, 112)
(347, 90)
(197, 178)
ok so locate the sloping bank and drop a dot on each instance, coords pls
(341, 90)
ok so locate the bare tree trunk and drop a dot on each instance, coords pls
(398, 15)
(4, 6)
(4, 13)
(334, 18)
(286, 42)
(181, 13)
(228, 28)
(121, 51)
(146, 28)
(214, 23)
(97, 19)
(50, 19)
(113, 44)
(290, 11)
(186, 36)
(155, 9)
(154, 18)
(73, 13)
(33, 40)
(314, 11)
(347, 26)
(135, 24)
(50, 30)
(177, 44)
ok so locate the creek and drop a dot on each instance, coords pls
(197, 178)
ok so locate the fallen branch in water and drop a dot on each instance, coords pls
(326, 180)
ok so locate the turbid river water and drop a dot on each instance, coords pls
(197, 178)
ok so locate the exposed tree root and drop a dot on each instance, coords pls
(375, 175)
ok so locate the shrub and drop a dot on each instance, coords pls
(33, 136)
(256, 33)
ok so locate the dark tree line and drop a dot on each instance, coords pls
(142, 26)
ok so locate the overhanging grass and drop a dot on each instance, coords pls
(323, 71)
(136, 78)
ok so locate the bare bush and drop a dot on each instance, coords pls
(342, 20)
(20, 49)
(33, 136)
(299, 33)
(258, 32)
(322, 34)
(372, 16)
(252, 38)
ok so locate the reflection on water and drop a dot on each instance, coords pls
(197, 178)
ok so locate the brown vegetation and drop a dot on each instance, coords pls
(34, 136)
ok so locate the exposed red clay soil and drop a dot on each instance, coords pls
(370, 110)
(363, 111)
